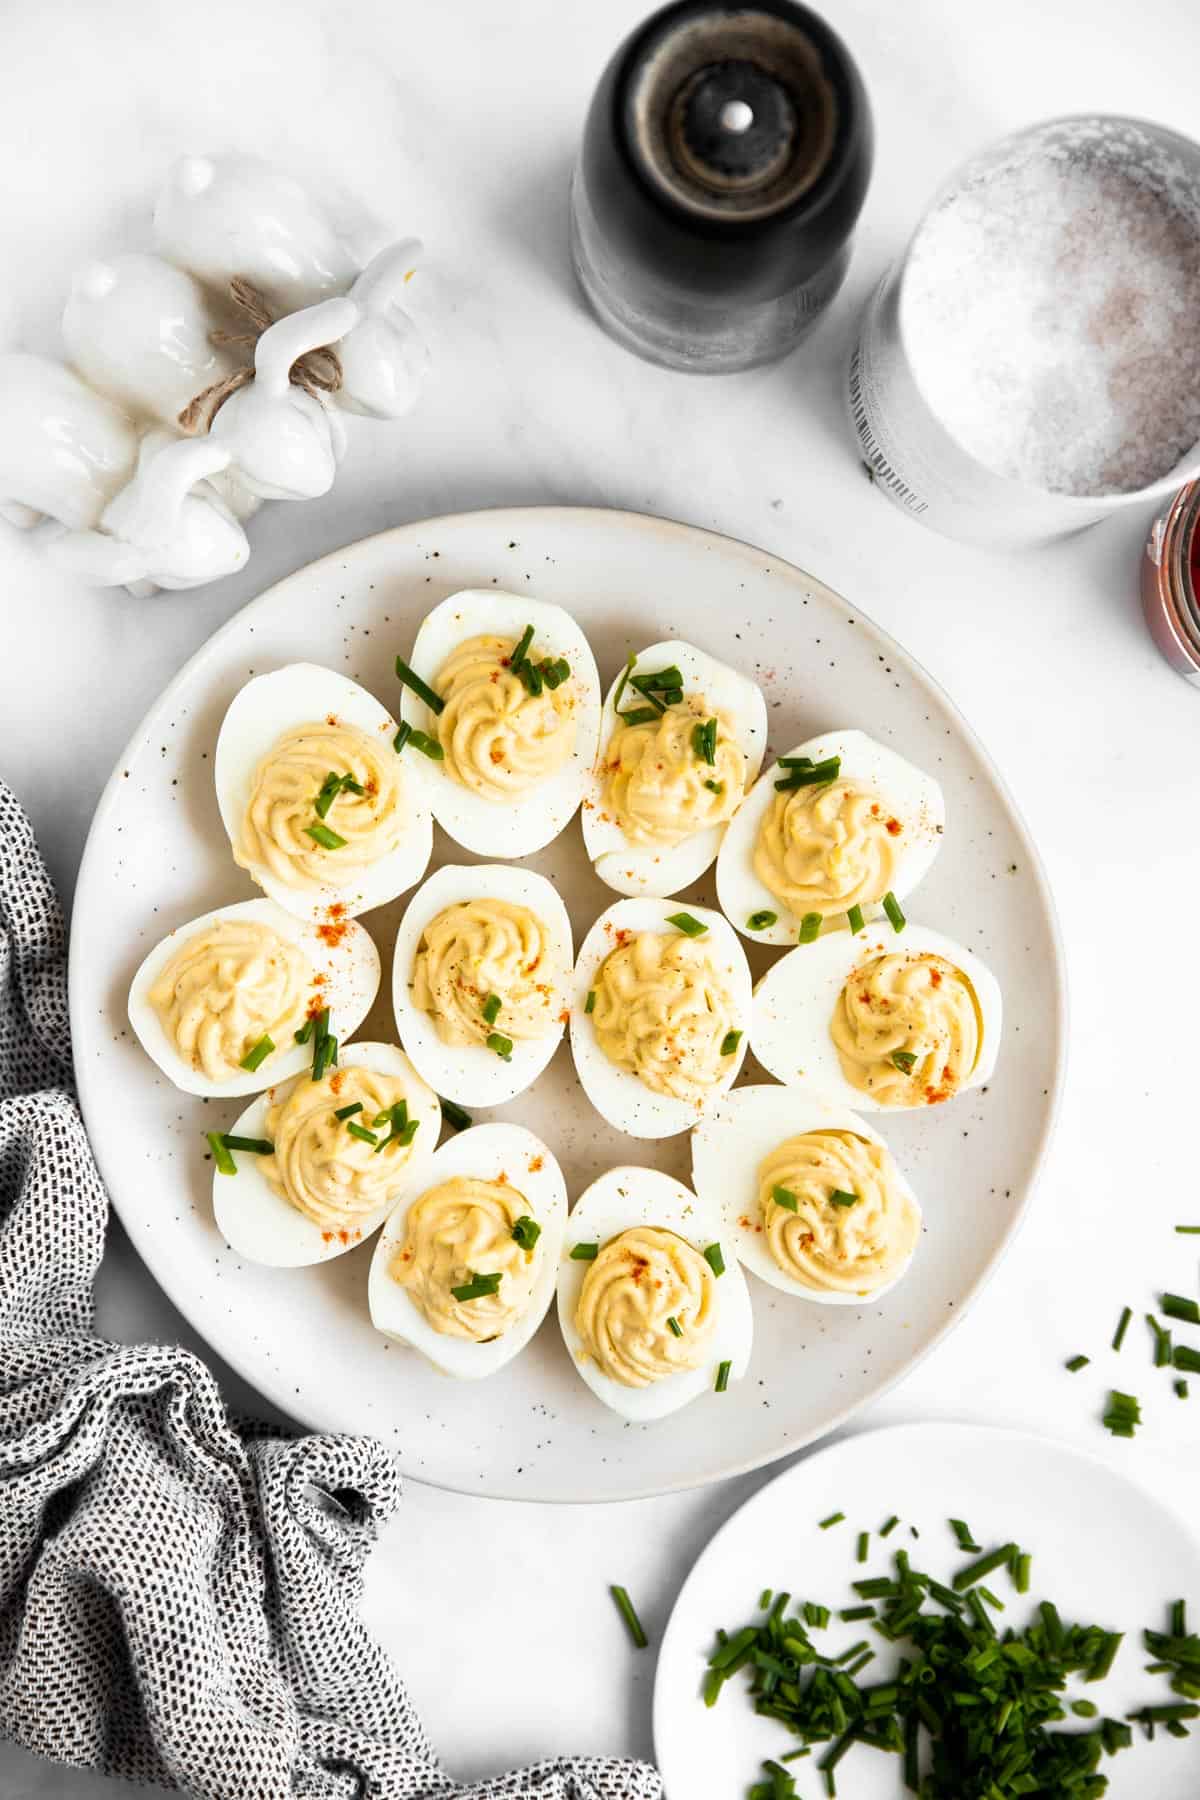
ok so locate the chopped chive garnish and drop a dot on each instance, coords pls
(833, 1519)
(855, 920)
(421, 689)
(1178, 1306)
(1188, 1230)
(816, 1616)
(976, 1571)
(1078, 1362)
(333, 785)
(1122, 1328)
(252, 1146)
(864, 1539)
(220, 1153)
(689, 926)
(814, 775)
(381, 1118)
(730, 1042)
(1162, 1342)
(526, 1232)
(704, 741)
(796, 762)
(491, 1009)
(759, 921)
(715, 787)
(850, 1615)
(585, 1252)
(715, 1259)
(589, 1004)
(320, 1025)
(962, 1534)
(402, 736)
(722, 1381)
(363, 1132)
(905, 1061)
(455, 1116)
(1019, 1571)
(520, 648)
(1181, 1390)
(640, 715)
(810, 929)
(258, 1054)
(1186, 1359)
(1123, 1414)
(891, 907)
(887, 1529)
(502, 1045)
(531, 677)
(478, 1288)
(426, 745)
(348, 1112)
(673, 1326)
(627, 1611)
(840, 1197)
(321, 834)
(306, 1030)
(626, 672)
(784, 1197)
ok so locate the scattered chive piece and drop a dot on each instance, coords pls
(722, 1381)
(796, 762)
(887, 1530)
(362, 1132)
(639, 715)
(810, 929)
(814, 775)
(626, 672)
(759, 921)
(784, 1197)
(252, 1146)
(1162, 1341)
(348, 1112)
(421, 689)
(1020, 1570)
(1181, 1390)
(816, 1616)
(633, 1624)
(730, 1042)
(974, 1572)
(402, 736)
(519, 649)
(426, 745)
(715, 787)
(714, 1259)
(765, 1599)
(674, 1327)
(220, 1153)
(258, 1054)
(1187, 1359)
(891, 907)
(455, 1116)
(320, 1026)
(491, 1009)
(684, 922)
(306, 1030)
(833, 1519)
(855, 920)
(840, 1197)
(905, 1061)
(864, 1539)
(1122, 1328)
(502, 1045)
(478, 1287)
(1078, 1362)
(962, 1532)
(1123, 1414)
(531, 677)
(850, 1614)
(526, 1232)
(585, 1253)
(321, 834)
(589, 1004)
(704, 741)
(331, 787)
(1188, 1230)
(1177, 1306)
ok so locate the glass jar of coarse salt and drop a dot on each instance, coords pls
(1032, 362)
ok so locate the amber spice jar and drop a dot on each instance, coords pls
(1171, 582)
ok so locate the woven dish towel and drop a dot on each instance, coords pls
(178, 1599)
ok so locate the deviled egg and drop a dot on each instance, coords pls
(320, 810)
(659, 1014)
(464, 1270)
(481, 980)
(219, 1003)
(809, 1194)
(880, 1019)
(653, 1310)
(838, 823)
(681, 739)
(502, 698)
(314, 1166)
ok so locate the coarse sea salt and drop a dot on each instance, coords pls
(1051, 312)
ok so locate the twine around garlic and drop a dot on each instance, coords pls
(317, 371)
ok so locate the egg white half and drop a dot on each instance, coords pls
(913, 797)
(351, 980)
(618, 1094)
(794, 1003)
(264, 1227)
(525, 824)
(485, 1152)
(304, 694)
(638, 869)
(619, 1200)
(730, 1144)
(471, 1073)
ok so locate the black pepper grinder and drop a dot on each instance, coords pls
(724, 164)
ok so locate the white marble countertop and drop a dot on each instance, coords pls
(459, 122)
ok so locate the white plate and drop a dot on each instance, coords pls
(1131, 1558)
(157, 853)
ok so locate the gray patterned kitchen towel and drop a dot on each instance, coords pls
(178, 1599)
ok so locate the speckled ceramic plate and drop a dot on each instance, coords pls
(157, 856)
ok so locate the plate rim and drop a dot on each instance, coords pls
(620, 519)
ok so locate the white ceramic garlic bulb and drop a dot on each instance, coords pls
(284, 443)
(167, 527)
(230, 216)
(384, 357)
(64, 450)
(139, 330)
